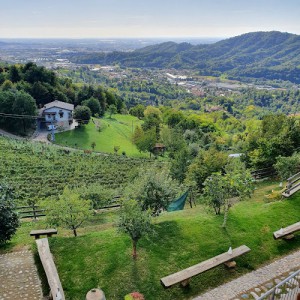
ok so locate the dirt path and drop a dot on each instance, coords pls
(18, 277)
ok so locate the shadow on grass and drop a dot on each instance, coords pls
(77, 138)
(285, 246)
(171, 239)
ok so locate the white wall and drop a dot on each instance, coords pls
(59, 118)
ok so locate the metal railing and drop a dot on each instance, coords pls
(288, 289)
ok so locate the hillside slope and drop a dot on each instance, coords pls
(270, 55)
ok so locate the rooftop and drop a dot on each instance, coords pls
(59, 104)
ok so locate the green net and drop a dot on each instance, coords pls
(179, 203)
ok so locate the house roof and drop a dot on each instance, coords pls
(159, 146)
(59, 104)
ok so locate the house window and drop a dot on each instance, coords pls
(61, 114)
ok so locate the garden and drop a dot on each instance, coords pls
(100, 256)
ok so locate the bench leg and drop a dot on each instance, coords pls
(185, 283)
(230, 264)
(37, 237)
(288, 237)
(49, 234)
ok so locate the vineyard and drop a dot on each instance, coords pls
(37, 171)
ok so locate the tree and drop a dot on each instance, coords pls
(82, 114)
(173, 140)
(137, 134)
(219, 189)
(152, 118)
(93, 104)
(93, 145)
(180, 163)
(153, 188)
(135, 222)
(24, 104)
(41, 94)
(14, 74)
(206, 163)
(137, 111)
(287, 166)
(174, 117)
(7, 85)
(101, 96)
(146, 141)
(9, 221)
(112, 109)
(278, 135)
(17, 102)
(69, 211)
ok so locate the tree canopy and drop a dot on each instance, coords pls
(69, 211)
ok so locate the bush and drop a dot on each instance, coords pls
(9, 221)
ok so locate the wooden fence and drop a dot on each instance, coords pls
(32, 211)
(264, 173)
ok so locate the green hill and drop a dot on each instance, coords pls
(106, 133)
(269, 55)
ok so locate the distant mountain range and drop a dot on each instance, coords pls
(264, 55)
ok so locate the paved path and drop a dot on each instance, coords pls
(18, 277)
(241, 285)
(10, 135)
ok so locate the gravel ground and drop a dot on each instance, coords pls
(18, 277)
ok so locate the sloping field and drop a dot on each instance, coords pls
(37, 170)
(106, 133)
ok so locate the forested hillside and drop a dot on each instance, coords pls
(25, 88)
(268, 55)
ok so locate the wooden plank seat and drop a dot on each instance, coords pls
(50, 269)
(38, 233)
(287, 232)
(184, 276)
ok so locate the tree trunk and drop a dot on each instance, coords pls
(74, 232)
(134, 254)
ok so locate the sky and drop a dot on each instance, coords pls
(145, 18)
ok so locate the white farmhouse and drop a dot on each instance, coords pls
(58, 113)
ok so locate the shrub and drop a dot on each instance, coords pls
(9, 221)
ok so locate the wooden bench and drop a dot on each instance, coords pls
(38, 233)
(184, 276)
(50, 269)
(287, 232)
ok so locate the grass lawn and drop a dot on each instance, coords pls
(101, 257)
(116, 131)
